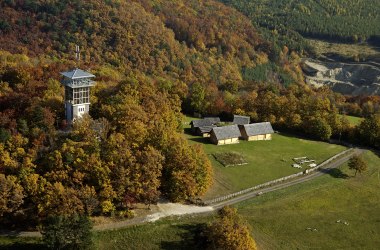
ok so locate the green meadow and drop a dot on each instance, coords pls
(354, 120)
(267, 160)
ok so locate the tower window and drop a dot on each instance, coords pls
(81, 95)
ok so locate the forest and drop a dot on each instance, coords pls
(333, 20)
(153, 61)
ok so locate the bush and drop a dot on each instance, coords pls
(67, 232)
(229, 232)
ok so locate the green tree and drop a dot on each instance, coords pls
(230, 232)
(369, 130)
(358, 164)
(318, 128)
(197, 97)
(67, 232)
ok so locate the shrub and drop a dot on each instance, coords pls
(67, 232)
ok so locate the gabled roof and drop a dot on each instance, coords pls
(206, 129)
(214, 120)
(226, 132)
(241, 120)
(201, 123)
(77, 74)
(261, 128)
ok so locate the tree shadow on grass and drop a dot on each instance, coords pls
(187, 131)
(22, 244)
(335, 172)
(203, 140)
(192, 237)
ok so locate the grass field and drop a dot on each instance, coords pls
(280, 219)
(342, 49)
(354, 120)
(267, 160)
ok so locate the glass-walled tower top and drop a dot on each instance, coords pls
(77, 79)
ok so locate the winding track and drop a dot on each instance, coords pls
(137, 221)
(305, 178)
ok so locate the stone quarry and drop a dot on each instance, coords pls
(345, 78)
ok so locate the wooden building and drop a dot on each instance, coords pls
(225, 135)
(204, 126)
(241, 120)
(256, 131)
(214, 120)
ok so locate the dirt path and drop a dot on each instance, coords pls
(306, 178)
(166, 209)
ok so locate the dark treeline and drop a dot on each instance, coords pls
(333, 20)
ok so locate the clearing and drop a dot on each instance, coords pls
(354, 120)
(342, 209)
(266, 160)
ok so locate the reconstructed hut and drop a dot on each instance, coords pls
(241, 120)
(225, 135)
(204, 126)
(205, 131)
(199, 123)
(214, 120)
(256, 131)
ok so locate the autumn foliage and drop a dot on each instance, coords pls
(230, 232)
(152, 61)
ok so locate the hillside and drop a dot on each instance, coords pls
(152, 60)
(181, 39)
(337, 20)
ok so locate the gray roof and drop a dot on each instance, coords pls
(77, 74)
(226, 132)
(261, 128)
(214, 120)
(206, 129)
(201, 123)
(241, 120)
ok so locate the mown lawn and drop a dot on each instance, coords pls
(267, 160)
(170, 233)
(280, 219)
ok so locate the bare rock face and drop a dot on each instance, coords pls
(345, 78)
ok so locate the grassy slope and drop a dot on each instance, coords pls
(343, 49)
(280, 219)
(267, 160)
(354, 120)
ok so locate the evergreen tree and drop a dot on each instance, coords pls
(67, 232)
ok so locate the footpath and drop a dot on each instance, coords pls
(166, 209)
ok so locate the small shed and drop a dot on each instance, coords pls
(256, 131)
(205, 131)
(214, 120)
(225, 135)
(241, 120)
(196, 124)
(204, 126)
